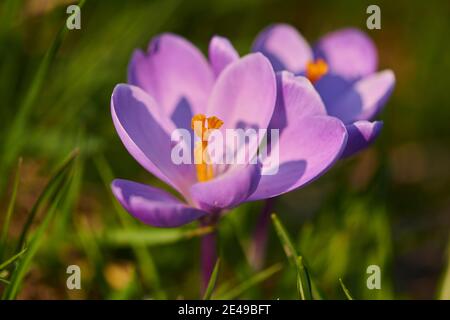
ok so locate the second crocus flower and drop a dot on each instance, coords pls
(343, 67)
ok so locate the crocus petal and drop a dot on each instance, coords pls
(296, 98)
(227, 190)
(175, 74)
(364, 99)
(244, 94)
(306, 151)
(146, 133)
(349, 53)
(221, 53)
(331, 87)
(360, 135)
(153, 206)
(285, 47)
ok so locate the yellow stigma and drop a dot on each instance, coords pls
(316, 70)
(202, 127)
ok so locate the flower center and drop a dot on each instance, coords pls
(202, 127)
(316, 70)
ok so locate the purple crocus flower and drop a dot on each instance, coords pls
(342, 66)
(171, 84)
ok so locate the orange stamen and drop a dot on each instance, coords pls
(316, 70)
(205, 170)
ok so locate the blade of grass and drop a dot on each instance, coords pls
(24, 264)
(50, 189)
(70, 201)
(152, 237)
(19, 273)
(212, 281)
(253, 281)
(344, 288)
(3, 265)
(88, 241)
(303, 281)
(9, 212)
(148, 270)
(14, 140)
(286, 242)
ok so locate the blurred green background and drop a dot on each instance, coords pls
(388, 206)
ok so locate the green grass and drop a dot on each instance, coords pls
(26, 255)
(388, 206)
(303, 280)
(212, 281)
(10, 210)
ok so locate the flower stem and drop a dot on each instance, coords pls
(258, 246)
(208, 251)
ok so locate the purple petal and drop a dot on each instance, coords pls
(360, 135)
(285, 47)
(296, 98)
(244, 93)
(307, 149)
(145, 132)
(153, 206)
(175, 74)
(221, 54)
(331, 87)
(227, 190)
(364, 99)
(350, 53)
